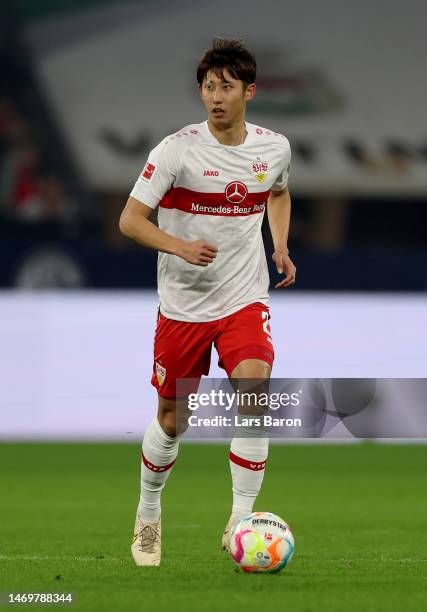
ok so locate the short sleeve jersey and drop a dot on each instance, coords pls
(207, 190)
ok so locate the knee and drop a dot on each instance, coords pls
(252, 368)
(167, 415)
(173, 416)
(167, 420)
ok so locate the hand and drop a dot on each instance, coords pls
(285, 265)
(199, 252)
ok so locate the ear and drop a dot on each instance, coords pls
(199, 87)
(250, 92)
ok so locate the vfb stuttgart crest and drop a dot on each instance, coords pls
(260, 169)
(236, 192)
(160, 373)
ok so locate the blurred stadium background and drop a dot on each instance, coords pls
(87, 88)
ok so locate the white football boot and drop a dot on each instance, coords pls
(146, 545)
(226, 536)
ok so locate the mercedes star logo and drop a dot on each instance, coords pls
(236, 192)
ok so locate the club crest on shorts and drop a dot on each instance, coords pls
(260, 170)
(160, 373)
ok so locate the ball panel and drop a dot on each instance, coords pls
(236, 547)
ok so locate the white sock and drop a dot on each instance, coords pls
(159, 452)
(248, 457)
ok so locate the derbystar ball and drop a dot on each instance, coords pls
(262, 542)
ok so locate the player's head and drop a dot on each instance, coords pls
(226, 76)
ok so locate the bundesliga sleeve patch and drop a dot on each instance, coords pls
(148, 170)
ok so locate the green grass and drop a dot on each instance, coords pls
(358, 513)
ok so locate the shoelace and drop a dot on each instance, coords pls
(148, 535)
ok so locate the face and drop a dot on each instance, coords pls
(225, 98)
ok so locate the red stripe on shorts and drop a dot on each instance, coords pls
(156, 468)
(255, 466)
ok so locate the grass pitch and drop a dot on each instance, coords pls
(358, 513)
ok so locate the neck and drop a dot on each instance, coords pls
(232, 136)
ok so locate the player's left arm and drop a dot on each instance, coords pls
(279, 217)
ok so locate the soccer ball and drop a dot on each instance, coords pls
(262, 543)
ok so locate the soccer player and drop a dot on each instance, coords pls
(211, 182)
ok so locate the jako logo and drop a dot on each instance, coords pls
(210, 173)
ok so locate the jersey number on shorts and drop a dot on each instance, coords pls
(264, 315)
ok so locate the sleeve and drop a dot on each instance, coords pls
(157, 176)
(283, 177)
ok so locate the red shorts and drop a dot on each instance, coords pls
(183, 349)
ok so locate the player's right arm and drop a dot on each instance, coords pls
(156, 179)
(134, 224)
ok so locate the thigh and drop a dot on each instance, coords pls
(245, 335)
(181, 350)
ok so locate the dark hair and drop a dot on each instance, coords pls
(228, 53)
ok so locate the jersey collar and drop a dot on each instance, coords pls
(209, 136)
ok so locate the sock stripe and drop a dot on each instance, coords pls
(156, 468)
(255, 466)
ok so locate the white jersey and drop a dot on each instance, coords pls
(207, 190)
